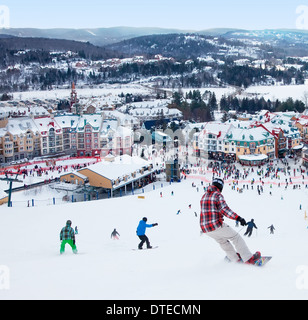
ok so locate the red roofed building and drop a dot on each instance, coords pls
(280, 139)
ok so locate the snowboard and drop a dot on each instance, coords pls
(72, 253)
(262, 261)
(259, 263)
(145, 249)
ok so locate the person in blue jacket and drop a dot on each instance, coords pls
(141, 232)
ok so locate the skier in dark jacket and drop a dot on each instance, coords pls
(141, 232)
(250, 226)
(115, 234)
(271, 227)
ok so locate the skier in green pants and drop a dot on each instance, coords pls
(67, 236)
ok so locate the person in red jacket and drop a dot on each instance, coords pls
(213, 210)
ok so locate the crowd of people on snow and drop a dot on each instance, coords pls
(278, 172)
(43, 171)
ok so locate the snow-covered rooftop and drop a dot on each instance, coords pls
(121, 166)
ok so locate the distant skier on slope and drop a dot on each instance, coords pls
(213, 210)
(271, 227)
(141, 232)
(67, 236)
(250, 226)
(115, 235)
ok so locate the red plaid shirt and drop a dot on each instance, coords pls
(213, 210)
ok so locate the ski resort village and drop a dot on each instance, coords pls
(153, 164)
(106, 132)
(102, 164)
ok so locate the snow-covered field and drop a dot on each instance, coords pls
(281, 92)
(105, 90)
(296, 92)
(185, 266)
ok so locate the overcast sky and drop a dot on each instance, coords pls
(181, 14)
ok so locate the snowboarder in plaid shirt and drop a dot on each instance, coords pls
(67, 236)
(213, 210)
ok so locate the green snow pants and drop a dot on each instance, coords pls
(70, 242)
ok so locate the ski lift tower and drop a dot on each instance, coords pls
(10, 180)
(173, 171)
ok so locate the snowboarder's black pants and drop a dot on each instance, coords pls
(143, 239)
(248, 231)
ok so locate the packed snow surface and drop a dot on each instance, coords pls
(185, 266)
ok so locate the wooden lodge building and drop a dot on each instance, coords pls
(115, 173)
